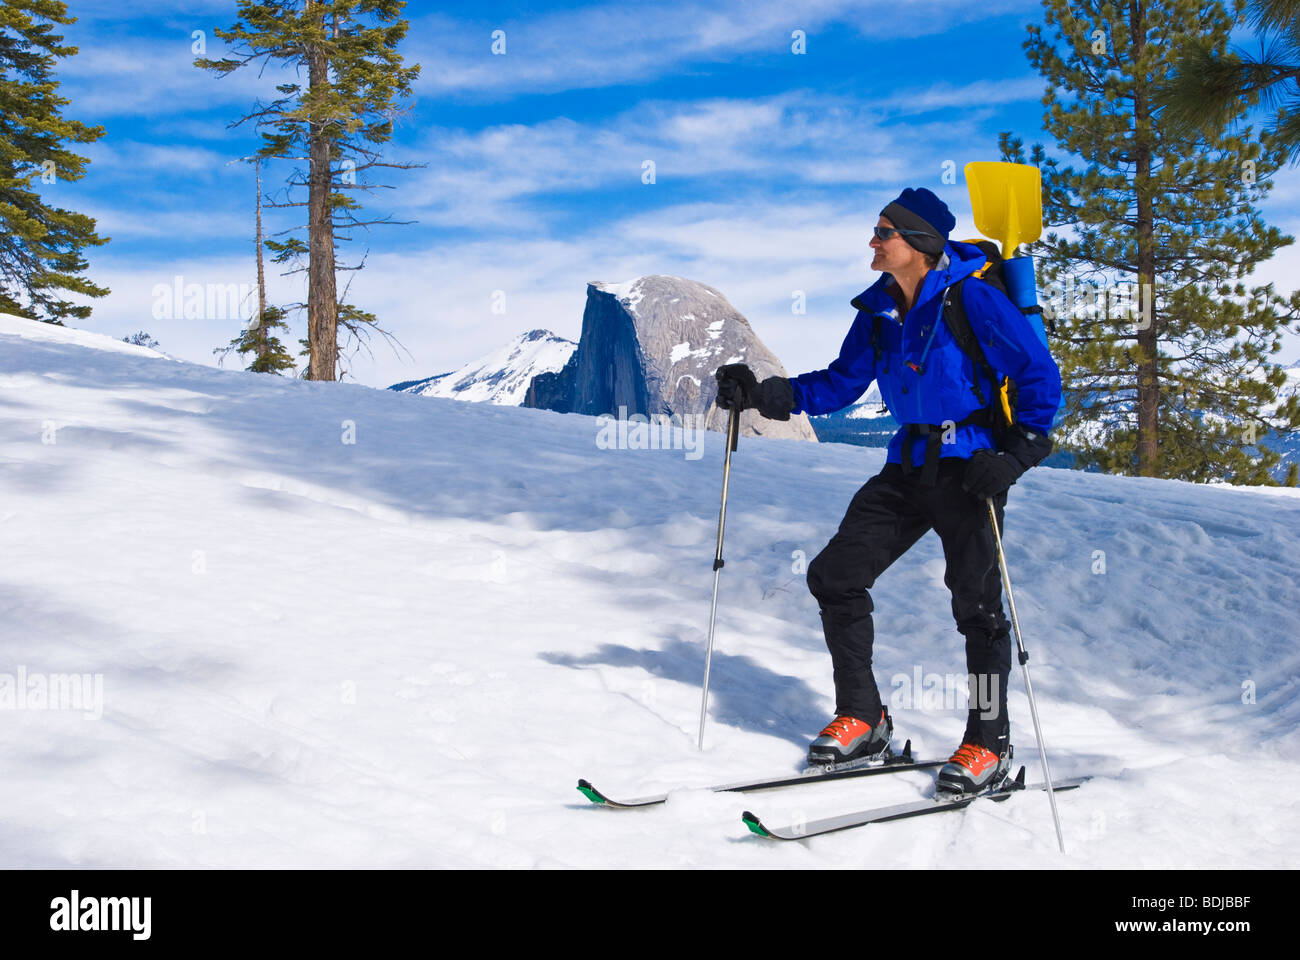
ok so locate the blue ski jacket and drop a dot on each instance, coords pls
(924, 376)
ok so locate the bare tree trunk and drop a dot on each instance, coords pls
(322, 300)
(1148, 341)
(261, 272)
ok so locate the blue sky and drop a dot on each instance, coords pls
(770, 167)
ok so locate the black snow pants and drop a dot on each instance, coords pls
(885, 518)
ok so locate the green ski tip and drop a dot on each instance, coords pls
(590, 792)
(754, 824)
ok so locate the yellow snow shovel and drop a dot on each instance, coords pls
(1007, 200)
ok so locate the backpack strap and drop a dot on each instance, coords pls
(1002, 405)
(954, 314)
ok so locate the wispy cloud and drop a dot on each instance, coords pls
(976, 94)
(505, 176)
(172, 160)
(601, 45)
(156, 77)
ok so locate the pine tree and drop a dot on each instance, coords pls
(1213, 86)
(258, 337)
(142, 339)
(40, 244)
(259, 340)
(337, 120)
(1184, 388)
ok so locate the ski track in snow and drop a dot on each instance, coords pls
(404, 651)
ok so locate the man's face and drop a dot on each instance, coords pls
(895, 254)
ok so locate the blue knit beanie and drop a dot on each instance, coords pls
(920, 209)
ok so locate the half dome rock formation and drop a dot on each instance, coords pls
(650, 346)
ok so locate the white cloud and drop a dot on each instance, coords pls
(172, 160)
(134, 292)
(155, 78)
(119, 10)
(601, 45)
(499, 176)
(123, 222)
(977, 93)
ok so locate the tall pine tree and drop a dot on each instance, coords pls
(337, 121)
(1185, 387)
(40, 244)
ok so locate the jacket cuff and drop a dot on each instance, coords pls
(1028, 447)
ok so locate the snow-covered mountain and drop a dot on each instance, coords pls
(502, 377)
(1288, 444)
(870, 406)
(313, 609)
(650, 347)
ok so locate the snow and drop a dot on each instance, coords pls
(503, 376)
(628, 293)
(52, 333)
(1286, 391)
(404, 651)
(683, 350)
(869, 407)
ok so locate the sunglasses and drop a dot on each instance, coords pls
(887, 233)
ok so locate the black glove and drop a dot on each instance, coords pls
(990, 473)
(736, 386)
(773, 398)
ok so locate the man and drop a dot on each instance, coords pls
(941, 466)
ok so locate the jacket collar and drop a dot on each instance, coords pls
(958, 261)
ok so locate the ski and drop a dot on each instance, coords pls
(902, 811)
(895, 763)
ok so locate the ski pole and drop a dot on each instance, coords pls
(733, 437)
(1024, 665)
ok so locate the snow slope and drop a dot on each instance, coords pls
(405, 650)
